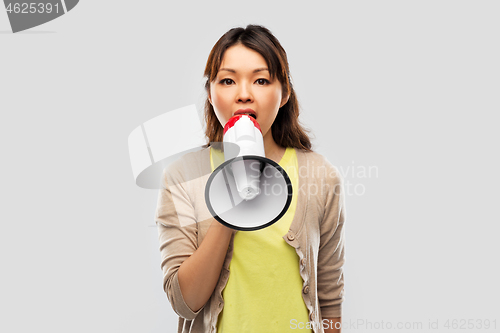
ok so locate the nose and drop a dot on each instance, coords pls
(244, 94)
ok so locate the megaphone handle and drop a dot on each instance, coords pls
(228, 187)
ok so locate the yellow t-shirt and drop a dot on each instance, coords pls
(264, 290)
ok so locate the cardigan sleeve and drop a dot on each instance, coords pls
(177, 232)
(330, 278)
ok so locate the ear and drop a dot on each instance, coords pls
(209, 96)
(284, 100)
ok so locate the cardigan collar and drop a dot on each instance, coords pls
(302, 201)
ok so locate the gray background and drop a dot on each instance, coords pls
(410, 87)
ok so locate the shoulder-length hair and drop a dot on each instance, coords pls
(286, 129)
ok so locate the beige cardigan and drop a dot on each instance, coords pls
(316, 233)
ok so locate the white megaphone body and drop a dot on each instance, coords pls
(247, 191)
(245, 132)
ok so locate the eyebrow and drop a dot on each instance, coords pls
(254, 71)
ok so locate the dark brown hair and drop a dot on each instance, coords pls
(286, 129)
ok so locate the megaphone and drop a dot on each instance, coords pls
(248, 191)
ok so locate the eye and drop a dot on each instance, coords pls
(262, 82)
(226, 82)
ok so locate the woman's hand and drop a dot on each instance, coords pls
(198, 275)
(334, 325)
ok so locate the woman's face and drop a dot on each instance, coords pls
(243, 85)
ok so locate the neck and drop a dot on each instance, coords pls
(273, 151)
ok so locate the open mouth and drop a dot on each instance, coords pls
(251, 115)
(248, 112)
